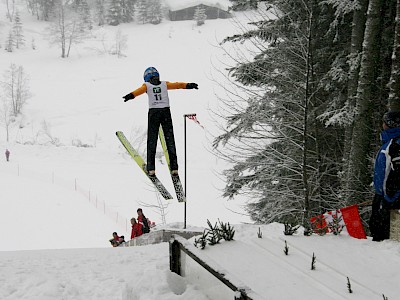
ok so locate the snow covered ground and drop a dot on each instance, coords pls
(142, 272)
(78, 101)
(60, 204)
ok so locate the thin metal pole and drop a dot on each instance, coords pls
(184, 186)
(184, 222)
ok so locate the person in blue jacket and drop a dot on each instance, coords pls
(384, 200)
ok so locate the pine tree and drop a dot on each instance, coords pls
(85, 15)
(394, 96)
(239, 5)
(319, 79)
(74, 4)
(128, 10)
(10, 42)
(141, 11)
(17, 31)
(114, 14)
(280, 154)
(47, 8)
(42, 9)
(101, 12)
(200, 15)
(367, 98)
(154, 12)
(342, 112)
(336, 226)
(226, 231)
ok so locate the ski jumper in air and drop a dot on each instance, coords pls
(159, 114)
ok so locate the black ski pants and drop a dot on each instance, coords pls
(379, 222)
(157, 117)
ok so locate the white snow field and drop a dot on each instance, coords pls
(69, 184)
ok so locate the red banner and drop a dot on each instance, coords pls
(350, 218)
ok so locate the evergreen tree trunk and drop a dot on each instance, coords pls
(394, 95)
(307, 97)
(357, 37)
(363, 132)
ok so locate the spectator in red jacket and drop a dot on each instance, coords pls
(136, 228)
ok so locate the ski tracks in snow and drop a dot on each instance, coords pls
(285, 279)
(289, 277)
(324, 276)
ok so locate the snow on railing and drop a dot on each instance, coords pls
(188, 261)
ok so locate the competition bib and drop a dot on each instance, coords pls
(158, 95)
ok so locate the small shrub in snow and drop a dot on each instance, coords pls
(79, 143)
(319, 226)
(335, 226)
(201, 241)
(349, 285)
(290, 229)
(308, 228)
(226, 231)
(286, 249)
(259, 233)
(313, 261)
(214, 234)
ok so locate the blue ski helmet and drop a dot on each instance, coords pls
(149, 73)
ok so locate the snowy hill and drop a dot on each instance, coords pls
(142, 272)
(67, 131)
(70, 184)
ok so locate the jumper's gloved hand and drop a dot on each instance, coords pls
(128, 97)
(192, 85)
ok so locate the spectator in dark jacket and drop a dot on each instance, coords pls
(136, 228)
(143, 220)
(7, 155)
(379, 223)
(117, 240)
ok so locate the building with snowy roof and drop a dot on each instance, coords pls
(184, 10)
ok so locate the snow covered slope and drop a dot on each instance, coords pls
(133, 273)
(77, 101)
(67, 132)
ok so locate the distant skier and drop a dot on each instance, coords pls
(7, 155)
(159, 114)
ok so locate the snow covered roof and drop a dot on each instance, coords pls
(182, 4)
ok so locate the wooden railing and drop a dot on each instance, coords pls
(181, 252)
